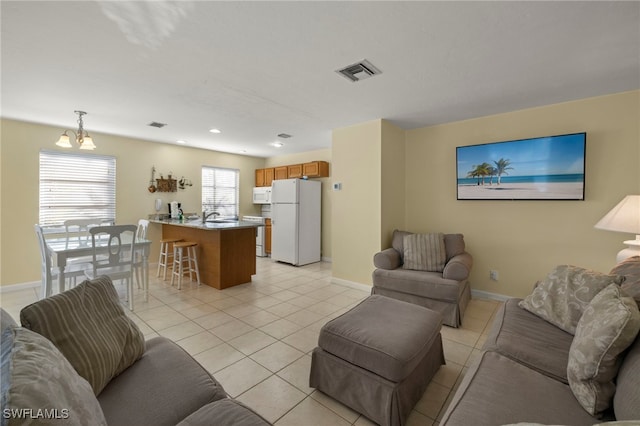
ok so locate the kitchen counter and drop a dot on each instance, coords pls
(226, 250)
(209, 225)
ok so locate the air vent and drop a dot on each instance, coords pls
(156, 124)
(284, 136)
(359, 71)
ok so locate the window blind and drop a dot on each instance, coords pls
(220, 191)
(76, 186)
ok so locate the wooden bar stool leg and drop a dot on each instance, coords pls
(195, 263)
(177, 254)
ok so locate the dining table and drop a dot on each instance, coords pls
(63, 249)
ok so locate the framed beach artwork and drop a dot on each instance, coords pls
(544, 168)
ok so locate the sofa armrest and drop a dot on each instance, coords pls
(387, 259)
(458, 267)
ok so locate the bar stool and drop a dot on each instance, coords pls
(165, 254)
(179, 257)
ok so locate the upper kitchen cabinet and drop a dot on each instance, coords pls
(280, 172)
(264, 177)
(260, 177)
(315, 169)
(294, 171)
(268, 176)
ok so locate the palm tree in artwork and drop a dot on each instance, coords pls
(480, 172)
(502, 166)
(492, 172)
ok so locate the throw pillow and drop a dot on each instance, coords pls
(630, 270)
(608, 326)
(424, 252)
(39, 386)
(564, 294)
(89, 326)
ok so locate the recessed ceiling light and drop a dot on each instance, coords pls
(181, 142)
(214, 131)
(277, 144)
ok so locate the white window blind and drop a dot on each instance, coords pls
(76, 186)
(220, 191)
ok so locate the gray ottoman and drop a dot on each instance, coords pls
(378, 358)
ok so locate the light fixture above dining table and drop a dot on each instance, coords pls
(82, 137)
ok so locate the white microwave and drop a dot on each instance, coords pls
(262, 195)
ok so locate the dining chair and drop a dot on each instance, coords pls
(79, 228)
(118, 261)
(49, 273)
(141, 234)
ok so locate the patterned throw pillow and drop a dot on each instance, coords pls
(630, 270)
(89, 326)
(608, 326)
(39, 386)
(424, 252)
(564, 294)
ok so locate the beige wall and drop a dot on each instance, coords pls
(306, 157)
(523, 240)
(20, 146)
(356, 212)
(392, 181)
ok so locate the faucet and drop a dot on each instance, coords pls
(205, 215)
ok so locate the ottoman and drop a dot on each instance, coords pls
(378, 358)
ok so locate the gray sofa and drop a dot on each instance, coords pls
(447, 292)
(521, 375)
(164, 385)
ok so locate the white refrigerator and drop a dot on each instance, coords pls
(295, 221)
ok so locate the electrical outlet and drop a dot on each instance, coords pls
(493, 274)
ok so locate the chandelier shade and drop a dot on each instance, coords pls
(82, 138)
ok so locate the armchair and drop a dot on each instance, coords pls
(447, 292)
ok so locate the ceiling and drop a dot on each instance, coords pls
(258, 69)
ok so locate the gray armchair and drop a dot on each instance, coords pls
(447, 292)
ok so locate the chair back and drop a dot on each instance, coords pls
(117, 263)
(143, 225)
(80, 228)
(45, 262)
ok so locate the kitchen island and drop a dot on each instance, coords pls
(226, 250)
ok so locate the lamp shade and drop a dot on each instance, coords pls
(624, 217)
(87, 143)
(64, 141)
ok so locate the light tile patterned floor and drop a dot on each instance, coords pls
(256, 339)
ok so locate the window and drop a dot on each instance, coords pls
(76, 186)
(220, 191)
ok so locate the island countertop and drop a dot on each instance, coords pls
(210, 225)
(226, 250)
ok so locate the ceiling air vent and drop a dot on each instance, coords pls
(156, 124)
(359, 71)
(284, 136)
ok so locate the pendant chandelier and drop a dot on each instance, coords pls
(82, 137)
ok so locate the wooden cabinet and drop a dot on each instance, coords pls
(264, 177)
(280, 172)
(315, 169)
(268, 176)
(294, 171)
(260, 177)
(267, 236)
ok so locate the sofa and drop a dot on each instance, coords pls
(79, 360)
(540, 369)
(430, 270)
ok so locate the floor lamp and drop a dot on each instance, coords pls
(624, 217)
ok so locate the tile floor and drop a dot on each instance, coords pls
(256, 339)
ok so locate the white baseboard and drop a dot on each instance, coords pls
(326, 259)
(351, 284)
(479, 294)
(18, 287)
